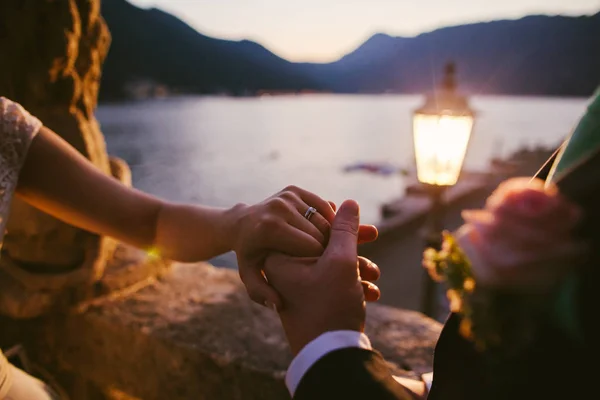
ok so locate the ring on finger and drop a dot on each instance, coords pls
(310, 212)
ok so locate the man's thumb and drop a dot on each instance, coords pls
(344, 229)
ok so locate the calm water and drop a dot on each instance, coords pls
(219, 151)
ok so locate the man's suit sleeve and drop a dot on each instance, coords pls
(351, 373)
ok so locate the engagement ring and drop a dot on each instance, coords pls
(310, 212)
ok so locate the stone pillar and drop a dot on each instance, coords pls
(51, 54)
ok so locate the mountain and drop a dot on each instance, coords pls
(535, 55)
(153, 47)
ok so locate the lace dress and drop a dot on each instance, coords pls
(17, 129)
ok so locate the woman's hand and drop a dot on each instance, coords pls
(278, 224)
(522, 239)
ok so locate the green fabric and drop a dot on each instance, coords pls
(584, 139)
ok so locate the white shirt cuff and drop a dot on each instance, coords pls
(428, 380)
(324, 344)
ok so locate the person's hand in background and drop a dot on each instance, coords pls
(523, 238)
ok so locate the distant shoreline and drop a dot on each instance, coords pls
(126, 100)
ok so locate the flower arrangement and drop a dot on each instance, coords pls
(495, 320)
(515, 261)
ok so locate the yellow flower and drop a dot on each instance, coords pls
(455, 300)
(428, 264)
(469, 285)
(430, 254)
(465, 328)
(447, 245)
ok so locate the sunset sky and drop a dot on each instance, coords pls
(323, 30)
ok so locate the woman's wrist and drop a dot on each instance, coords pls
(231, 224)
(192, 233)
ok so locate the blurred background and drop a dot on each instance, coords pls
(415, 109)
(230, 101)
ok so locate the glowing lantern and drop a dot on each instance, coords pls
(441, 131)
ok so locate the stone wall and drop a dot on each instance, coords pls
(195, 334)
(52, 54)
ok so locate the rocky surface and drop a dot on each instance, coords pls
(195, 334)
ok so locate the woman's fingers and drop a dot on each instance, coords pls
(369, 273)
(258, 288)
(311, 226)
(299, 219)
(289, 207)
(367, 233)
(285, 238)
(371, 291)
(368, 270)
(318, 221)
(323, 207)
(300, 200)
(333, 206)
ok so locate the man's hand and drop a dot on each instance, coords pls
(326, 293)
(278, 225)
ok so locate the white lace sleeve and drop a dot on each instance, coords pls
(17, 129)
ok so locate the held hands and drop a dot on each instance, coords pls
(278, 225)
(325, 293)
(522, 239)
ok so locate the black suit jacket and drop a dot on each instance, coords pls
(351, 373)
(554, 368)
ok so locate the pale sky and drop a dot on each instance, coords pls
(324, 30)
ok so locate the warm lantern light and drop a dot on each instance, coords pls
(442, 130)
(440, 147)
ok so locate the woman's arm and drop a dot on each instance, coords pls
(58, 180)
